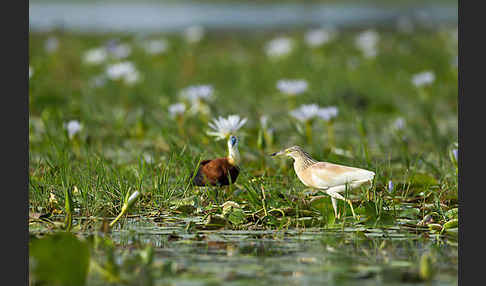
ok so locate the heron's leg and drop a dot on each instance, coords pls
(334, 206)
(338, 196)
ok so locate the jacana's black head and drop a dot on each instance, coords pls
(233, 141)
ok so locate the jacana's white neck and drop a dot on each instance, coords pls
(233, 155)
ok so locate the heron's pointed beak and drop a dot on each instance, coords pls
(278, 153)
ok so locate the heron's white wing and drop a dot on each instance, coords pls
(324, 175)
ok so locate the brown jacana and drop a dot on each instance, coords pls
(220, 171)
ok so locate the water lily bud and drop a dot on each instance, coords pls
(129, 201)
(132, 199)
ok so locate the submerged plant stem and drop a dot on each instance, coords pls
(124, 210)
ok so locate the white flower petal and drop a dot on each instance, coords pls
(223, 127)
(423, 78)
(367, 42)
(292, 87)
(194, 34)
(319, 37)
(279, 47)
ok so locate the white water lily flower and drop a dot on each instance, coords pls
(327, 113)
(264, 121)
(308, 111)
(95, 56)
(279, 47)
(305, 112)
(101, 54)
(177, 109)
(292, 87)
(119, 70)
(119, 51)
(197, 92)
(148, 158)
(423, 78)
(194, 34)
(132, 78)
(51, 44)
(156, 46)
(342, 152)
(367, 42)
(224, 127)
(319, 37)
(73, 127)
(198, 106)
(399, 123)
(123, 70)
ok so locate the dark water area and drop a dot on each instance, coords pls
(306, 256)
(176, 16)
(343, 256)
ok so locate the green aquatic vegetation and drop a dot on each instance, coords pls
(59, 259)
(81, 175)
(68, 220)
(127, 203)
(153, 254)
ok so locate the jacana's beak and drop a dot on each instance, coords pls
(278, 153)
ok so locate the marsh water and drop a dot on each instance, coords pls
(305, 256)
(174, 16)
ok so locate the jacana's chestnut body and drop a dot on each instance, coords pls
(220, 171)
(216, 172)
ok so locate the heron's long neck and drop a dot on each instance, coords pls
(303, 161)
(233, 155)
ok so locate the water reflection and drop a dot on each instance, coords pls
(340, 256)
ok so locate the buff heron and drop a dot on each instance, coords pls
(331, 178)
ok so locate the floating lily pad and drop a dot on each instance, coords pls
(60, 259)
(215, 222)
(185, 206)
(452, 213)
(234, 213)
